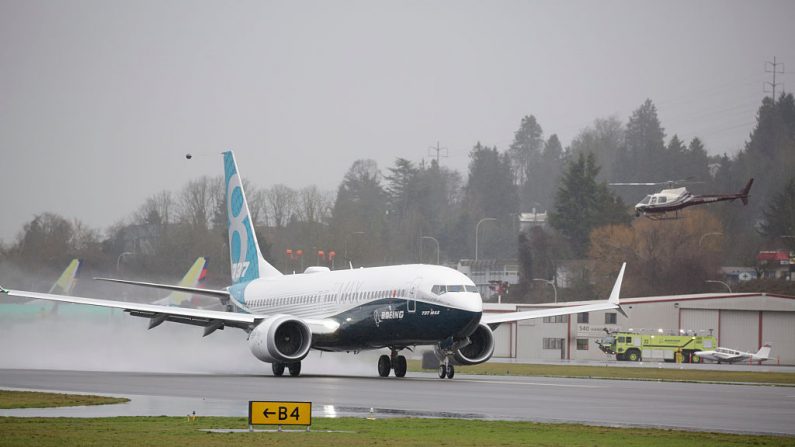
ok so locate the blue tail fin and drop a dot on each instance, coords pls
(244, 253)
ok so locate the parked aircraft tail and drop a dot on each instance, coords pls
(196, 273)
(745, 191)
(763, 354)
(66, 282)
(244, 253)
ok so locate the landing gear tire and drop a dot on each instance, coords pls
(442, 371)
(450, 371)
(295, 369)
(384, 365)
(400, 366)
(278, 369)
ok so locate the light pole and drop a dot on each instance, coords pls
(118, 260)
(551, 283)
(347, 238)
(720, 282)
(437, 246)
(701, 239)
(477, 227)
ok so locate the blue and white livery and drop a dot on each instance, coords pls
(392, 307)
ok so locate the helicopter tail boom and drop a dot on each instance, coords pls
(744, 193)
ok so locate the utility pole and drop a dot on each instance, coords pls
(440, 152)
(773, 69)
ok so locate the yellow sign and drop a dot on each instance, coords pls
(279, 413)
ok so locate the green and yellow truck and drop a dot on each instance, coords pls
(635, 347)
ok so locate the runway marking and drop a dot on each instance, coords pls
(506, 382)
(530, 383)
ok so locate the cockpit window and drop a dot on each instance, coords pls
(646, 200)
(440, 290)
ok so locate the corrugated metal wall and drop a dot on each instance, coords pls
(778, 329)
(739, 329)
(700, 320)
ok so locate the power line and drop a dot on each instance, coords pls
(774, 70)
(440, 152)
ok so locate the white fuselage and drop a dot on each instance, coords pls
(324, 294)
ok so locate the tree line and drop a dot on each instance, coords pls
(399, 213)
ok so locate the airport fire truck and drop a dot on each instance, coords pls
(635, 347)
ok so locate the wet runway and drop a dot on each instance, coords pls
(709, 407)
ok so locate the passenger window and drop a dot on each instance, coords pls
(662, 200)
(621, 339)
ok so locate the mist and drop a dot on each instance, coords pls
(123, 344)
(87, 338)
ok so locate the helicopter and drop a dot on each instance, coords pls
(657, 206)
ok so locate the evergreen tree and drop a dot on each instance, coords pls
(642, 158)
(490, 192)
(780, 215)
(526, 148)
(603, 139)
(582, 204)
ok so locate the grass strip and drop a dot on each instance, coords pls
(620, 372)
(35, 399)
(144, 431)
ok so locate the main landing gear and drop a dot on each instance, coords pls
(446, 369)
(394, 362)
(293, 368)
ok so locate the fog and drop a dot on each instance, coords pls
(122, 343)
(77, 337)
(100, 100)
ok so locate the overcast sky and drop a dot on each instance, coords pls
(100, 100)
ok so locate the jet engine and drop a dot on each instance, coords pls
(477, 348)
(280, 339)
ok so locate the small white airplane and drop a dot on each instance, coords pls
(395, 307)
(195, 274)
(726, 355)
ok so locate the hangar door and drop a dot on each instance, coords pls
(700, 320)
(739, 329)
(778, 329)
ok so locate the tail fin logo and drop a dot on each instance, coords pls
(242, 242)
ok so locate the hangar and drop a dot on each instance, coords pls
(743, 321)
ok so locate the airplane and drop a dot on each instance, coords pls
(394, 307)
(726, 355)
(39, 308)
(66, 282)
(656, 206)
(195, 274)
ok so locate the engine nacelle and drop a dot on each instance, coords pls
(479, 349)
(280, 339)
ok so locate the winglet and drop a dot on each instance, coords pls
(3, 289)
(617, 289)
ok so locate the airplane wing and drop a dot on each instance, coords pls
(609, 304)
(211, 320)
(194, 290)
